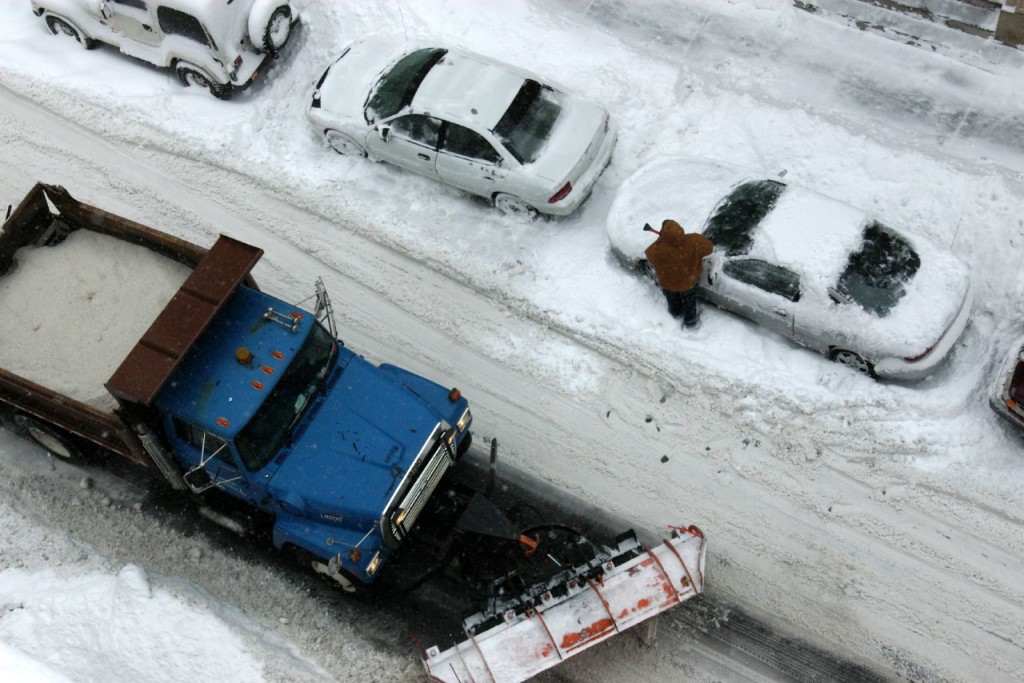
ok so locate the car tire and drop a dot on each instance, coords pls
(343, 144)
(190, 76)
(278, 28)
(514, 207)
(60, 25)
(53, 440)
(852, 360)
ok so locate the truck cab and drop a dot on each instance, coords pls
(269, 407)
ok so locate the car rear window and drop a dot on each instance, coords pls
(399, 84)
(876, 274)
(527, 123)
(732, 223)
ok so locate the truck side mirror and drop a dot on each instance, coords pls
(384, 132)
(104, 10)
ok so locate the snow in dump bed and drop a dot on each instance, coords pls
(72, 312)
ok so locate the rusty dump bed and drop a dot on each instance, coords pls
(46, 216)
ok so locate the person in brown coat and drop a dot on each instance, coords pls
(677, 259)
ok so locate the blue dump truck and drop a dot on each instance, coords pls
(123, 340)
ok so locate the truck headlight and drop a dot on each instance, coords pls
(464, 420)
(371, 568)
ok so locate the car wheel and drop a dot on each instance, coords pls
(59, 26)
(853, 361)
(514, 206)
(190, 77)
(279, 27)
(343, 144)
(49, 438)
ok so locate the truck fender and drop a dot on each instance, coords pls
(261, 17)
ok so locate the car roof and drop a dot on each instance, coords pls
(469, 88)
(809, 233)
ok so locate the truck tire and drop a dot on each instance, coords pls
(53, 440)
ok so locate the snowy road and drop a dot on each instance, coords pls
(883, 522)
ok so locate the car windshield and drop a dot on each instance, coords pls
(399, 84)
(526, 125)
(272, 424)
(732, 224)
(875, 275)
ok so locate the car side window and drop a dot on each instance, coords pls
(767, 276)
(467, 143)
(174, 22)
(201, 439)
(418, 128)
(137, 4)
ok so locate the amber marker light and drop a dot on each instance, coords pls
(454, 395)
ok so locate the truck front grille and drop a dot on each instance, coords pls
(424, 476)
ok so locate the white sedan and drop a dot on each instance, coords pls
(812, 268)
(482, 126)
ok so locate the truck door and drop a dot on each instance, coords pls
(133, 22)
(207, 460)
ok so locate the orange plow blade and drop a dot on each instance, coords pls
(632, 585)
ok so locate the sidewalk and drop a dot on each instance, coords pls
(962, 29)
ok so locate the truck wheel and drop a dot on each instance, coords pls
(59, 25)
(49, 438)
(279, 27)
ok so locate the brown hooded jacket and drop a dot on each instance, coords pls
(676, 257)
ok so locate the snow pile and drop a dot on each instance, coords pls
(79, 307)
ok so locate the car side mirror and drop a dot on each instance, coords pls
(384, 132)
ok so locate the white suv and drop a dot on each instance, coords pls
(219, 45)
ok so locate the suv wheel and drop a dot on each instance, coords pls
(190, 76)
(59, 25)
(279, 27)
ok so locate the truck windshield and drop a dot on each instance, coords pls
(271, 426)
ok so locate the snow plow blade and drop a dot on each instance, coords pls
(579, 608)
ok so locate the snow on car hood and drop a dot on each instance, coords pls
(933, 299)
(682, 188)
(574, 142)
(349, 80)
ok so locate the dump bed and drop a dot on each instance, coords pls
(114, 303)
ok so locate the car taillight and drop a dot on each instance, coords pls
(238, 61)
(914, 359)
(561, 194)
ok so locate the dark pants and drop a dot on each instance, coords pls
(683, 305)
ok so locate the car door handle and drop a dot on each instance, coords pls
(781, 313)
(425, 157)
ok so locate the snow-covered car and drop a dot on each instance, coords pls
(482, 126)
(809, 267)
(1007, 395)
(218, 45)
